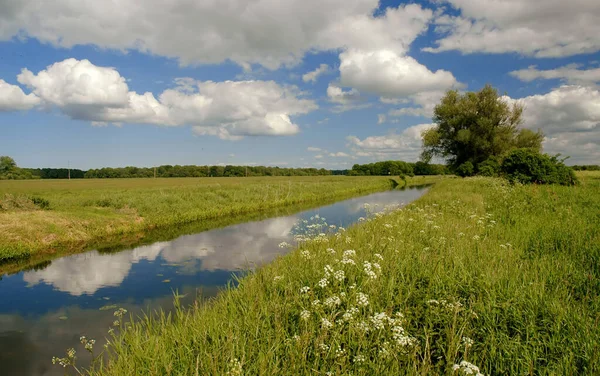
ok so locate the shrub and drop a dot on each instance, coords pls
(489, 167)
(465, 169)
(529, 166)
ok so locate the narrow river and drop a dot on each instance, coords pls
(43, 312)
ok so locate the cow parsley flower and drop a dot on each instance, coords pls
(304, 290)
(362, 299)
(305, 315)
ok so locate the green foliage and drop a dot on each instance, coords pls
(56, 173)
(393, 168)
(465, 169)
(529, 166)
(423, 168)
(586, 167)
(489, 167)
(10, 171)
(177, 171)
(474, 127)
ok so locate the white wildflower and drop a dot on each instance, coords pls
(235, 368)
(467, 342)
(332, 301)
(305, 254)
(304, 290)
(362, 299)
(326, 324)
(323, 283)
(277, 278)
(305, 315)
(339, 275)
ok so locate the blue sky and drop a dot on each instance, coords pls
(227, 85)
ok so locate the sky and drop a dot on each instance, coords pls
(307, 83)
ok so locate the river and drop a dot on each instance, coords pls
(45, 311)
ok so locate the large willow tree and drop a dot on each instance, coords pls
(475, 126)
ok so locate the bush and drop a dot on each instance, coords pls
(529, 166)
(465, 169)
(489, 167)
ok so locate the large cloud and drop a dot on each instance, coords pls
(229, 109)
(12, 98)
(405, 145)
(266, 32)
(523, 26)
(389, 74)
(569, 116)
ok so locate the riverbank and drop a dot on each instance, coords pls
(58, 217)
(477, 273)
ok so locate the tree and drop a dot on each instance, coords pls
(475, 126)
(7, 165)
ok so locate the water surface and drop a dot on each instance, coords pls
(45, 311)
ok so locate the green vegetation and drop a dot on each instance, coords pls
(168, 171)
(10, 171)
(477, 273)
(50, 216)
(529, 166)
(586, 167)
(396, 168)
(475, 126)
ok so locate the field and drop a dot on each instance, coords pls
(476, 277)
(52, 217)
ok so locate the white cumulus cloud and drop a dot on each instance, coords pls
(266, 32)
(548, 28)
(12, 98)
(229, 109)
(388, 74)
(405, 145)
(569, 116)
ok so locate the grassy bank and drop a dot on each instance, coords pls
(50, 216)
(504, 278)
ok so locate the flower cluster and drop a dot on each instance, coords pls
(467, 368)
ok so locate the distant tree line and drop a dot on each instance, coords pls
(168, 171)
(396, 168)
(586, 167)
(55, 173)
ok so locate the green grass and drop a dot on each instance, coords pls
(55, 217)
(504, 277)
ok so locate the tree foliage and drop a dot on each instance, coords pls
(10, 171)
(397, 168)
(475, 126)
(169, 171)
(529, 166)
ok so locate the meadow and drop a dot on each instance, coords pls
(477, 277)
(54, 217)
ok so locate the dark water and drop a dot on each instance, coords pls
(43, 312)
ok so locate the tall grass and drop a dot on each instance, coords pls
(477, 276)
(65, 216)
